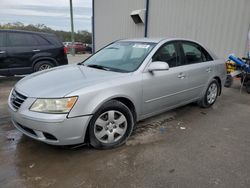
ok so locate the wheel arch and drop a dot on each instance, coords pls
(52, 60)
(220, 84)
(218, 79)
(127, 101)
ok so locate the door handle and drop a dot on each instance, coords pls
(36, 50)
(181, 76)
(208, 69)
(2, 52)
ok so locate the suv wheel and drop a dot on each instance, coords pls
(43, 65)
(211, 94)
(111, 125)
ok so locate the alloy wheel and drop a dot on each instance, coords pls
(44, 67)
(212, 93)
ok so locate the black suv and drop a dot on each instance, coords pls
(23, 52)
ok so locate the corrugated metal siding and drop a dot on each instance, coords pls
(221, 25)
(112, 20)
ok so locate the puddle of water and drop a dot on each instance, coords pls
(10, 140)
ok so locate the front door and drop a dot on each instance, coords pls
(21, 47)
(3, 63)
(164, 89)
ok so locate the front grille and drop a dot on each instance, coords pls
(17, 99)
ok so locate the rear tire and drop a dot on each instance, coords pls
(229, 81)
(248, 86)
(210, 95)
(43, 65)
(111, 125)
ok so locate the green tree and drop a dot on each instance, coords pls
(80, 36)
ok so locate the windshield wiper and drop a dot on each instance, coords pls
(99, 67)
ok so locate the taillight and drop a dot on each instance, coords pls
(65, 50)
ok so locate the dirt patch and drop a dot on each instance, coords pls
(152, 129)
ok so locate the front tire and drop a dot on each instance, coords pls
(111, 125)
(210, 95)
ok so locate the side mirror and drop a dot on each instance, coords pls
(158, 66)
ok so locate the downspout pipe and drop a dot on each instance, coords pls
(146, 19)
(248, 44)
(93, 26)
(72, 28)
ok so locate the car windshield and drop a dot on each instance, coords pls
(120, 56)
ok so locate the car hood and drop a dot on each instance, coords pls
(60, 81)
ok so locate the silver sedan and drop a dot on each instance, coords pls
(101, 99)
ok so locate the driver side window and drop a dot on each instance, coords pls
(167, 53)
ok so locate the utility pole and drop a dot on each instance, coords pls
(72, 28)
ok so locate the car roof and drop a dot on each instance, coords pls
(24, 31)
(153, 40)
(157, 40)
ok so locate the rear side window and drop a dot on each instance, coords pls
(21, 39)
(2, 39)
(167, 53)
(194, 53)
(54, 40)
(41, 41)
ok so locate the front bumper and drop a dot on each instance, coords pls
(55, 129)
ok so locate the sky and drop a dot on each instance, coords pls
(52, 13)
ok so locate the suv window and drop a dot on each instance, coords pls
(21, 39)
(2, 39)
(167, 53)
(194, 53)
(40, 40)
(53, 39)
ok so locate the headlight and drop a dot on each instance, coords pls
(54, 106)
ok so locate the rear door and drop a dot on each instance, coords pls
(21, 47)
(198, 67)
(51, 46)
(3, 63)
(43, 45)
